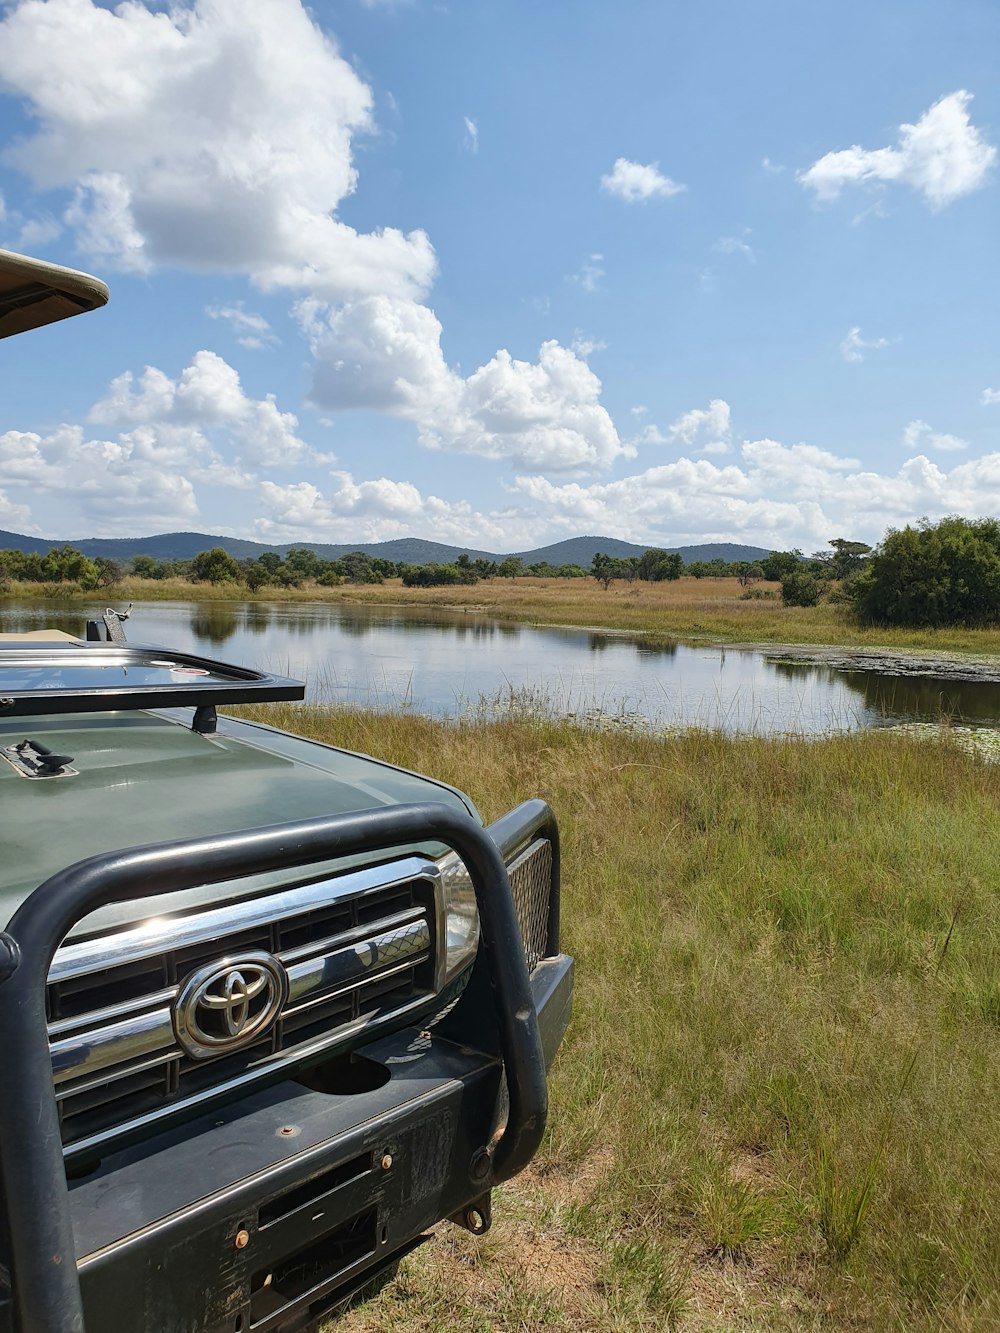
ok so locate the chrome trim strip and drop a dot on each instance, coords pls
(349, 936)
(106, 1078)
(126, 1009)
(357, 988)
(347, 967)
(74, 1057)
(161, 934)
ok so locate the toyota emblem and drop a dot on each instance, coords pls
(229, 1004)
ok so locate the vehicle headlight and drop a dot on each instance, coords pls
(461, 915)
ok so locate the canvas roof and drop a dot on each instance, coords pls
(33, 292)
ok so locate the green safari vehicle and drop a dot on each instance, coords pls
(269, 1010)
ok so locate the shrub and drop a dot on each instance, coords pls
(945, 573)
(801, 589)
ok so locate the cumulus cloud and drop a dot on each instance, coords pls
(706, 428)
(216, 136)
(150, 443)
(990, 396)
(943, 156)
(126, 484)
(385, 354)
(692, 500)
(918, 435)
(636, 182)
(207, 396)
(853, 347)
(379, 510)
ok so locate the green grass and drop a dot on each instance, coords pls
(775, 1108)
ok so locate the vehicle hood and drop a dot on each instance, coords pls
(146, 777)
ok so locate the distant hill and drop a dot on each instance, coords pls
(411, 550)
(581, 551)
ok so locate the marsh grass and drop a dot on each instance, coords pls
(776, 1106)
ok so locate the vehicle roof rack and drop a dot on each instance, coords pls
(42, 677)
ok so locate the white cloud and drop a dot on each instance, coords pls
(737, 245)
(584, 346)
(943, 156)
(772, 168)
(207, 396)
(635, 182)
(590, 274)
(990, 396)
(385, 354)
(708, 428)
(121, 485)
(252, 329)
(216, 136)
(219, 137)
(918, 435)
(471, 135)
(853, 346)
(775, 495)
(379, 510)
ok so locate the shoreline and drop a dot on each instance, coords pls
(700, 612)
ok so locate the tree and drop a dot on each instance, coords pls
(776, 564)
(257, 575)
(604, 568)
(748, 571)
(109, 572)
(511, 568)
(656, 565)
(848, 557)
(800, 588)
(215, 566)
(945, 573)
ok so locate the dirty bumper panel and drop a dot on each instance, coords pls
(254, 1215)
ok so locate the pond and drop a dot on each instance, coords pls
(451, 663)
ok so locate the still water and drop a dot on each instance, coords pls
(448, 663)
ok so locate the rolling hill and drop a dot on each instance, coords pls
(412, 550)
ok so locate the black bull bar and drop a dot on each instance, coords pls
(45, 1280)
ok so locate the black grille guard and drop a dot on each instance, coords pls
(46, 1288)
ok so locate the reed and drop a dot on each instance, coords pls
(774, 1106)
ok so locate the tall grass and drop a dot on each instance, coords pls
(775, 1108)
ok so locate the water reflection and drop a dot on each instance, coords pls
(216, 623)
(444, 662)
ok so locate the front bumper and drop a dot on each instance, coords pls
(263, 1213)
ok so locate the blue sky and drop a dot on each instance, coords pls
(501, 273)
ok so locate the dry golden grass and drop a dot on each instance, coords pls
(774, 1108)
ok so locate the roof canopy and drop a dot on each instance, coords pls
(33, 293)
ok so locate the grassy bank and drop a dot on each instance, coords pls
(775, 1107)
(688, 608)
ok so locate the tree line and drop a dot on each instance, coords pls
(923, 575)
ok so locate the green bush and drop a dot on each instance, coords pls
(945, 573)
(801, 589)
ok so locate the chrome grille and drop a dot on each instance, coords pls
(357, 950)
(530, 876)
